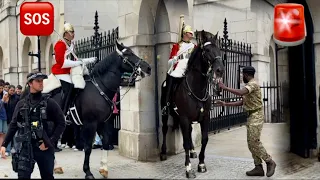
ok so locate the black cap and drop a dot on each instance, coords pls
(38, 75)
(249, 69)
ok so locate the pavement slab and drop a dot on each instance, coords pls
(227, 157)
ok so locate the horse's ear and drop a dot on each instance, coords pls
(204, 37)
(119, 46)
(215, 37)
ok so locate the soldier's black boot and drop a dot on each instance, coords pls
(271, 166)
(169, 83)
(67, 96)
(257, 171)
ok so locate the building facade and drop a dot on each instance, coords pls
(150, 27)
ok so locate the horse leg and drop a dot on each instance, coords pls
(88, 134)
(106, 142)
(185, 129)
(193, 153)
(204, 141)
(163, 154)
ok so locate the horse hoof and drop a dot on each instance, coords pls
(90, 177)
(163, 157)
(190, 174)
(103, 173)
(202, 168)
(193, 155)
(58, 170)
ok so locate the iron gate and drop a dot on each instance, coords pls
(100, 45)
(235, 56)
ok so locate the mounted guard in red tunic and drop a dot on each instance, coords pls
(178, 61)
(67, 72)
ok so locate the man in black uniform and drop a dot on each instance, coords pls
(40, 122)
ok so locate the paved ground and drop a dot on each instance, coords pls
(227, 157)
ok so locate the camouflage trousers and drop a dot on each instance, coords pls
(254, 128)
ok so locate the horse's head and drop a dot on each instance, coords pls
(131, 62)
(211, 52)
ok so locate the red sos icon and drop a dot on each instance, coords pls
(36, 18)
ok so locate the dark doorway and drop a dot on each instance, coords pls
(303, 110)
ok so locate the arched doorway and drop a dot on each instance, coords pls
(43, 48)
(272, 64)
(49, 59)
(302, 93)
(27, 60)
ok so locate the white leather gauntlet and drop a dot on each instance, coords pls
(69, 63)
(89, 60)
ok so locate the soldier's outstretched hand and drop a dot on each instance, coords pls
(221, 85)
(220, 103)
(3, 152)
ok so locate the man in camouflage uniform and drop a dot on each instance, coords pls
(252, 103)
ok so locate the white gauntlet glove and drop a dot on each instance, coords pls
(89, 60)
(69, 64)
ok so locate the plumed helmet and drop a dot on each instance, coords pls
(67, 27)
(249, 70)
(188, 29)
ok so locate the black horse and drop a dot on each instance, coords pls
(94, 103)
(191, 97)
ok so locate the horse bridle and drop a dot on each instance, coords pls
(208, 76)
(136, 72)
(135, 66)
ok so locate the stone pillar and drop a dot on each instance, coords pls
(10, 60)
(138, 137)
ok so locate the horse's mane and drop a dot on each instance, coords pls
(104, 65)
(193, 57)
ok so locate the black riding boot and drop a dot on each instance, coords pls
(169, 85)
(67, 89)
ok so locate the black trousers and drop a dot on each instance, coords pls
(44, 159)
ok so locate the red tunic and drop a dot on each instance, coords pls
(174, 51)
(60, 49)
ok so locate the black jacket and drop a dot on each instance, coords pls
(10, 106)
(54, 114)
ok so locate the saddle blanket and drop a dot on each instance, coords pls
(76, 74)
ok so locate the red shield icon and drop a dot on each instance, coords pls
(289, 24)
